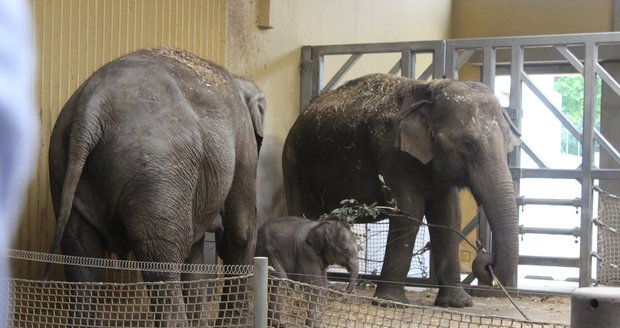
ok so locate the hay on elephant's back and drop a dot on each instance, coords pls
(376, 96)
(372, 96)
(208, 71)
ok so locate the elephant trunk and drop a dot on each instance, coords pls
(494, 190)
(353, 268)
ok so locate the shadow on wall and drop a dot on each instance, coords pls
(270, 202)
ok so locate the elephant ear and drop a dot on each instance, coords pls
(413, 133)
(317, 237)
(255, 101)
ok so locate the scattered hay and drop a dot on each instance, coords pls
(372, 97)
(210, 73)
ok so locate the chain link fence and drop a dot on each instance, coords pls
(372, 239)
(229, 300)
(608, 239)
(294, 304)
(67, 304)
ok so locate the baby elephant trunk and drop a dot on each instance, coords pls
(354, 269)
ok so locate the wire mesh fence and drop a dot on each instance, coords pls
(224, 301)
(68, 304)
(293, 304)
(608, 239)
(372, 239)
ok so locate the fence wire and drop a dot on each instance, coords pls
(67, 304)
(294, 304)
(223, 301)
(372, 240)
(608, 241)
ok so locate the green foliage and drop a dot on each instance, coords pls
(571, 87)
(351, 210)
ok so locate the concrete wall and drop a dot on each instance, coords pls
(271, 57)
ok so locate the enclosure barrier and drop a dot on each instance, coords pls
(340, 309)
(608, 241)
(587, 55)
(224, 301)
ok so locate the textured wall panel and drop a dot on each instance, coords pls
(73, 39)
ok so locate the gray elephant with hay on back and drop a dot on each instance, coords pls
(427, 139)
(144, 155)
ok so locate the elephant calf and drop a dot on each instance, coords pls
(301, 249)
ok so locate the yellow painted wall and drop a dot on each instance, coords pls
(498, 18)
(490, 18)
(272, 57)
(73, 39)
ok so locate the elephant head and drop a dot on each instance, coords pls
(334, 241)
(254, 99)
(460, 131)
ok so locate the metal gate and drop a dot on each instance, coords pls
(519, 58)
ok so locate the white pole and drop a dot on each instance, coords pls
(260, 292)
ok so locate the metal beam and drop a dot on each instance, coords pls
(317, 72)
(428, 72)
(549, 261)
(305, 91)
(373, 48)
(341, 72)
(589, 118)
(396, 68)
(607, 146)
(549, 231)
(605, 76)
(532, 155)
(521, 201)
(536, 41)
(572, 59)
(554, 110)
(488, 70)
(407, 64)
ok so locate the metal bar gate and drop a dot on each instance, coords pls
(519, 58)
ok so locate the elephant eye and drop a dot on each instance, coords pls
(470, 146)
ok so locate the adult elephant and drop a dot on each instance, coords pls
(145, 154)
(426, 139)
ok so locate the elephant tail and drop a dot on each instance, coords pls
(85, 133)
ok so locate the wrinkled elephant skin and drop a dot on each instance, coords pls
(426, 139)
(301, 250)
(145, 154)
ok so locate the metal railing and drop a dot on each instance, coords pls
(518, 57)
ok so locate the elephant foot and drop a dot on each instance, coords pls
(453, 297)
(394, 294)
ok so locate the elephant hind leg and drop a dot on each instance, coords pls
(160, 236)
(81, 239)
(195, 292)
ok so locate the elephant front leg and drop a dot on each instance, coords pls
(397, 260)
(167, 304)
(445, 250)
